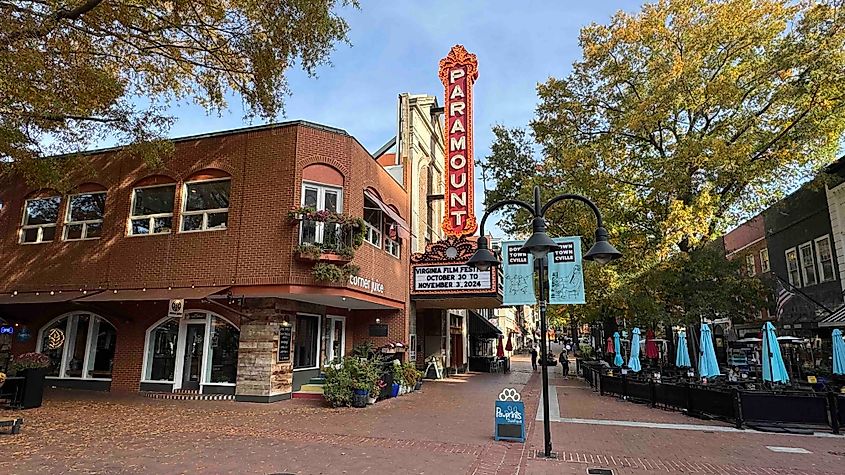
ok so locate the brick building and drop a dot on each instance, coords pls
(89, 274)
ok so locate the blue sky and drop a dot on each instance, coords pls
(396, 47)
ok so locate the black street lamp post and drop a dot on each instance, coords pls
(539, 245)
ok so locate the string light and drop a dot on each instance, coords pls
(114, 291)
(52, 293)
(15, 292)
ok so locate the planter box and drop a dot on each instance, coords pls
(326, 256)
(32, 393)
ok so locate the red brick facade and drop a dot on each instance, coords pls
(253, 257)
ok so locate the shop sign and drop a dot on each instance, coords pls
(452, 277)
(284, 342)
(458, 72)
(370, 285)
(518, 270)
(510, 416)
(176, 308)
(7, 330)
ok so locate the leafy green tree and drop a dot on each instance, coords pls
(75, 72)
(678, 121)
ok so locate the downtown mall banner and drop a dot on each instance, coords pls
(565, 274)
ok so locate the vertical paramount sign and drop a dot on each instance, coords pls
(458, 72)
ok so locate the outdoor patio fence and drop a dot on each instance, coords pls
(806, 411)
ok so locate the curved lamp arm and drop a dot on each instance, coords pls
(599, 223)
(501, 204)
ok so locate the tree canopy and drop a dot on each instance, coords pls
(678, 121)
(75, 72)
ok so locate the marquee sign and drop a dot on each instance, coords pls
(458, 72)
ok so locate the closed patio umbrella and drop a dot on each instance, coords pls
(509, 345)
(682, 358)
(610, 349)
(838, 352)
(617, 348)
(773, 368)
(500, 351)
(651, 351)
(634, 360)
(707, 364)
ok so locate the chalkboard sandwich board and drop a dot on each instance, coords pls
(510, 416)
(284, 343)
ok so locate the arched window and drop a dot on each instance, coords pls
(200, 349)
(79, 345)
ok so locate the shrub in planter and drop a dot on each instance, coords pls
(33, 367)
(338, 387)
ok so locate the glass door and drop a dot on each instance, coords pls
(192, 366)
(337, 338)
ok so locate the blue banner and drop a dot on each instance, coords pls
(566, 273)
(518, 270)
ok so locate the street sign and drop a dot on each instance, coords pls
(510, 416)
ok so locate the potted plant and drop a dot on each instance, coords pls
(33, 367)
(375, 391)
(338, 387)
(397, 380)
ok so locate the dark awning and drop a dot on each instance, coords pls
(481, 327)
(836, 319)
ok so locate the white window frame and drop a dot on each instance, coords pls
(393, 247)
(788, 270)
(319, 341)
(373, 236)
(203, 212)
(821, 275)
(85, 223)
(321, 189)
(150, 217)
(750, 265)
(765, 264)
(39, 227)
(90, 342)
(803, 266)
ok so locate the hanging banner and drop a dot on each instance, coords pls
(518, 269)
(566, 273)
(458, 72)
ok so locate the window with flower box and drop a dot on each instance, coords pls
(321, 198)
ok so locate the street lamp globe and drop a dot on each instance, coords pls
(539, 244)
(602, 251)
(483, 259)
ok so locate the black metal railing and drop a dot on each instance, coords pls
(329, 237)
(800, 410)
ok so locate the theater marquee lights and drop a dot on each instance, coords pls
(458, 72)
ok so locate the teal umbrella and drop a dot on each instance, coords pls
(707, 364)
(838, 352)
(773, 368)
(617, 360)
(634, 360)
(682, 358)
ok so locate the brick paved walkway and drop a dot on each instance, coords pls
(444, 429)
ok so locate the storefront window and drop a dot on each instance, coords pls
(162, 351)
(224, 352)
(307, 339)
(79, 346)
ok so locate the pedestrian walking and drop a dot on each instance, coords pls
(533, 358)
(564, 363)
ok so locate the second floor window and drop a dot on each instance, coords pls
(206, 205)
(749, 265)
(373, 220)
(39, 220)
(808, 264)
(792, 271)
(765, 266)
(321, 198)
(825, 259)
(152, 210)
(85, 216)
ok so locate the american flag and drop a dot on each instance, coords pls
(783, 297)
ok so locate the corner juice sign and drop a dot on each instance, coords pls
(458, 72)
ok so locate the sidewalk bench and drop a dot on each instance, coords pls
(13, 422)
